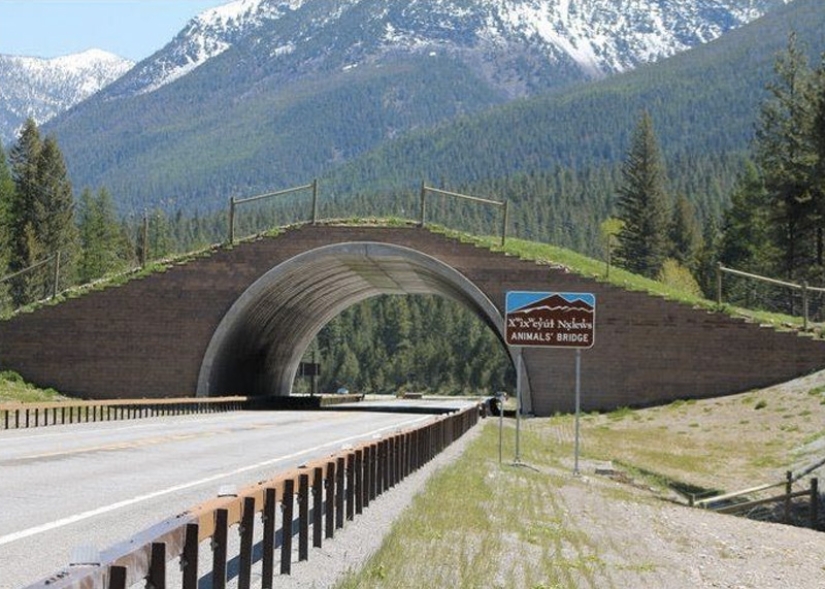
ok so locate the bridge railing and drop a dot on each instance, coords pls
(312, 501)
(28, 415)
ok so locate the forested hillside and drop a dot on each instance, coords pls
(414, 343)
(287, 133)
(704, 104)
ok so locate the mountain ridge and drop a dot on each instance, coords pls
(269, 111)
(42, 88)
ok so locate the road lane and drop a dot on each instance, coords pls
(97, 484)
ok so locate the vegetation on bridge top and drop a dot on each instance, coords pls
(672, 287)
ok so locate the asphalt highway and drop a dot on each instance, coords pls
(93, 485)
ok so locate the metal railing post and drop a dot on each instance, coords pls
(719, 284)
(268, 560)
(247, 533)
(303, 516)
(288, 506)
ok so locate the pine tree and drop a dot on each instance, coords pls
(685, 234)
(818, 167)
(747, 235)
(42, 215)
(643, 205)
(785, 155)
(57, 229)
(105, 246)
(25, 249)
(6, 198)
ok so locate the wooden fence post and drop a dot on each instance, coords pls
(788, 491)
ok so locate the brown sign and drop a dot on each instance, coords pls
(561, 320)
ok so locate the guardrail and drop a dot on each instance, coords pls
(318, 497)
(26, 415)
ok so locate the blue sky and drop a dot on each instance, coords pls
(133, 29)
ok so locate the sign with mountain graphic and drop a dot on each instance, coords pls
(550, 319)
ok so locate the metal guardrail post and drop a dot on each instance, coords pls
(288, 505)
(329, 512)
(367, 474)
(303, 517)
(340, 477)
(350, 495)
(268, 563)
(317, 507)
(189, 557)
(719, 284)
(156, 579)
(359, 481)
(219, 549)
(247, 534)
(117, 577)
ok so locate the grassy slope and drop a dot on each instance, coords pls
(14, 389)
(481, 524)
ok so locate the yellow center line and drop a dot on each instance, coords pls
(118, 446)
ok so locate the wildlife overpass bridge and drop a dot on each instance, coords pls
(238, 320)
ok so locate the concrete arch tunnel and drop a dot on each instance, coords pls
(259, 343)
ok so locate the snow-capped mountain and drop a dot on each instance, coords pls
(41, 88)
(512, 42)
(261, 93)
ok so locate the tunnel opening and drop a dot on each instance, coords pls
(393, 344)
(258, 346)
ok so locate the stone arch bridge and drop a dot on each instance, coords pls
(237, 321)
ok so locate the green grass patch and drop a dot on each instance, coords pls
(472, 527)
(14, 389)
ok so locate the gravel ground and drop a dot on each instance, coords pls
(642, 540)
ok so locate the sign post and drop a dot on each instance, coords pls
(549, 320)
